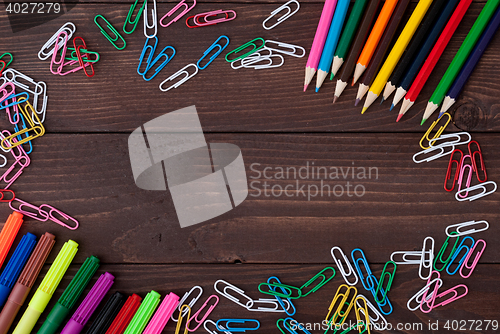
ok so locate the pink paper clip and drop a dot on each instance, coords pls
(42, 215)
(4, 99)
(63, 55)
(454, 297)
(204, 16)
(195, 316)
(4, 88)
(431, 299)
(182, 3)
(62, 214)
(474, 165)
(18, 160)
(475, 261)
(76, 69)
(161, 316)
(461, 175)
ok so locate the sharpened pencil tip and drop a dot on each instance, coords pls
(392, 107)
(399, 117)
(356, 102)
(441, 114)
(305, 87)
(335, 98)
(363, 111)
(423, 121)
(317, 89)
(382, 100)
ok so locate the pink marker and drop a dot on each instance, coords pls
(164, 312)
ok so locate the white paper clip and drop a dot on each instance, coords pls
(216, 331)
(286, 16)
(276, 309)
(456, 142)
(418, 296)
(252, 58)
(407, 257)
(155, 20)
(442, 153)
(70, 30)
(269, 62)
(286, 49)
(191, 303)
(483, 193)
(423, 260)
(457, 227)
(375, 311)
(232, 298)
(339, 264)
(178, 73)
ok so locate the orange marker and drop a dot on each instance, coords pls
(374, 38)
(8, 234)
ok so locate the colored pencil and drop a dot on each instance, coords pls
(434, 56)
(348, 35)
(375, 36)
(413, 47)
(460, 58)
(355, 50)
(331, 42)
(381, 50)
(422, 53)
(319, 40)
(471, 62)
(396, 52)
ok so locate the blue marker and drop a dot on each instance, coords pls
(325, 63)
(15, 265)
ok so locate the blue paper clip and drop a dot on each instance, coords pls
(17, 101)
(460, 247)
(279, 299)
(215, 55)
(358, 269)
(228, 326)
(150, 56)
(26, 133)
(373, 279)
(157, 59)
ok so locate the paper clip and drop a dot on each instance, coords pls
(16, 99)
(482, 186)
(429, 300)
(475, 261)
(237, 290)
(112, 29)
(341, 298)
(340, 266)
(229, 325)
(79, 56)
(418, 296)
(275, 309)
(4, 191)
(7, 93)
(474, 165)
(137, 17)
(253, 58)
(10, 61)
(86, 53)
(190, 304)
(386, 302)
(292, 327)
(269, 61)
(19, 138)
(186, 9)
(155, 20)
(64, 38)
(385, 273)
(423, 260)
(288, 288)
(73, 70)
(196, 18)
(459, 249)
(216, 331)
(374, 310)
(162, 65)
(363, 260)
(461, 175)
(454, 297)
(407, 257)
(292, 49)
(324, 280)
(457, 228)
(178, 73)
(42, 214)
(458, 139)
(254, 46)
(280, 300)
(207, 313)
(215, 55)
(357, 309)
(450, 166)
(38, 130)
(150, 55)
(21, 159)
(439, 256)
(3, 66)
(284, 17)
(181, 316)
(438, 132)
(4, 162)
(69, 28)
(52, 211)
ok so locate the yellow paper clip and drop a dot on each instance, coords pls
(438, 132)
(31, 117)
(343, 302)
(360, 322)
(179, 321)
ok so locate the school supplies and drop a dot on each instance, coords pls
(238, 325)
(137, 17)
(288, 13)
(285, 48)
(475, 260)
(88, 306)
(164, 312)
(319, 40)
(7, 63)
(144, 313)
(205, 316)
(444, 148)
(150, 63)
(177, 74)
(460, 57)
(192, 302)
(15, 265)
(181, 4)
(340, 266)
(471, 63)
(289, 309)
(8, 234)
(28, 112)
(68, 28)
(342, 303)
(122, 320)
(47, 288)
(107, 314)
(457, 228)
(396, 52)
(44, 213)
(25, 281)
(115, 34)
(79, 49)
(211, 18)
(68, 299)
(179, 320)
(154, 15)
(481, 186)
(216, 54)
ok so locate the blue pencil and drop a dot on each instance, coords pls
(471, 62)
(424, 51)
(325, 63)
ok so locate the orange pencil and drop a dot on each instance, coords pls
(8, 234)
(374, 38)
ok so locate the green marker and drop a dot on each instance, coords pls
(47, 288)
(458, 61)
(143, 314)
(69, 297)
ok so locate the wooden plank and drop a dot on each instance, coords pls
(482, 301)
(90, 178)
(118, 100)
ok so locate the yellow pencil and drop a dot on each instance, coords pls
(396, 52)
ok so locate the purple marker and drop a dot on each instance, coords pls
(89, 304)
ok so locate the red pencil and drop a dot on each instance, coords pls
(434, 56)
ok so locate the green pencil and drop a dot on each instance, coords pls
(460, 58)
(348, 34)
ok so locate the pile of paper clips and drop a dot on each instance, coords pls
(444, 144)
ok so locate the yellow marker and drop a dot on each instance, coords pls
(47, 288)
(396, 52)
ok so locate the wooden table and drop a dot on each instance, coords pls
(81, 166)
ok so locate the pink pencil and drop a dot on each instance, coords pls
(319, 40)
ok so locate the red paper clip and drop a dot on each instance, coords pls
(203, 16)
(79, 56)
(473, 158)
(450, 166)
(3, 67)
(3, 191)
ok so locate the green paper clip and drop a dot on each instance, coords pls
(11, 58)
(73, 56)
(324, 280)
(439, 256)
(137, 18)
(244, 46)
(288, 288)
(381, 282)
(113, 30)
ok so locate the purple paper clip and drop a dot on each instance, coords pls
(182, 3)
(461, 175)
(43, 215)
